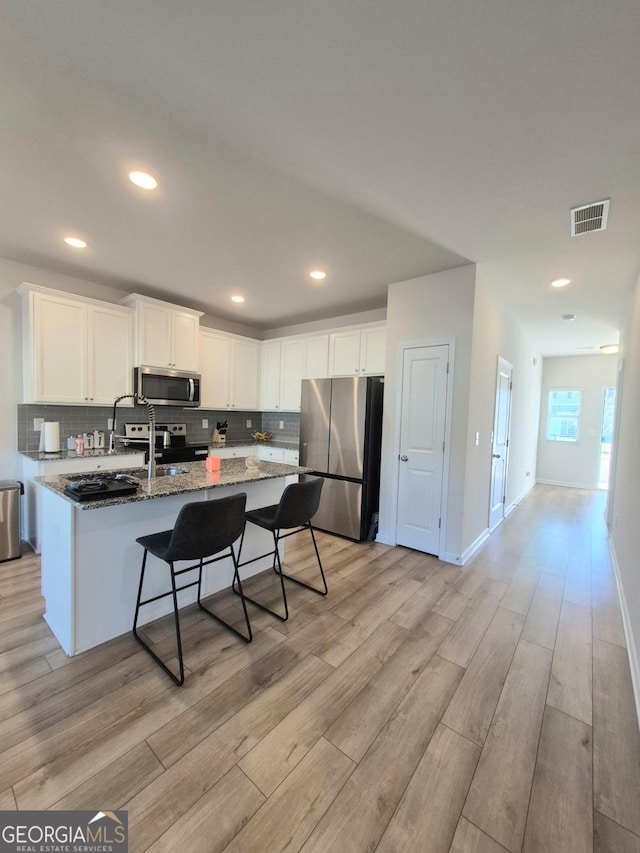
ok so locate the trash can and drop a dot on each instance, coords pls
(10, 491)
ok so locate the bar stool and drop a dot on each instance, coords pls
(202, 529)
(298, 504)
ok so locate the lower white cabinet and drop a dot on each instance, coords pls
(263, 451)
(31, 468)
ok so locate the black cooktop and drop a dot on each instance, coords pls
(83, 488)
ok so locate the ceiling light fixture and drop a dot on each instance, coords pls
(569, 317)
(76, 242)
(561, 282)
(143, 180)
(610, 349)
(318, 275)
(237, 298)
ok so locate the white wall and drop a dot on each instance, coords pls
(568, 463)
(625, 499)
(497, 333)
(420, 311)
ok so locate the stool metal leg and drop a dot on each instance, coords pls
(277, 571)
(178, 679)
(236, 577)
(302, 583)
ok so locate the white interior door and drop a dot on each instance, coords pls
(422, 434)
(500, 443)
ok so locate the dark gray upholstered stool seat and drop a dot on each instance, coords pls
(203, 529)
(298, 504)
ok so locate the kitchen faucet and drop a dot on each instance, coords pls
(151, 465)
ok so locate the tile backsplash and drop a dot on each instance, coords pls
(79, 419)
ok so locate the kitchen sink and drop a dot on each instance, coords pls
(171, 471)
(168, 471)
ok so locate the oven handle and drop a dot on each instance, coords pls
(192, 390)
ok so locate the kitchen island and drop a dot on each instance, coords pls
(91, 561)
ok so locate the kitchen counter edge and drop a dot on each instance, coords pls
(233, 472)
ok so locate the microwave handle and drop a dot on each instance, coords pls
(192, 390)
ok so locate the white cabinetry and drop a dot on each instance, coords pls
(285, 364)
(229, 370)
(166, 334)
(270, 377)
(76, 350)
(357, 352)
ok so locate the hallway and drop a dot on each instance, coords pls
(420, 707)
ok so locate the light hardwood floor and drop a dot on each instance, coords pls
(419, 707)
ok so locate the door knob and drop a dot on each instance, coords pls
(496, 455)
(404, 458)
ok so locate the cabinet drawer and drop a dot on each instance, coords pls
(291, 457)
(271, 454)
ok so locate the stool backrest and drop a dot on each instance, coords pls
(204, 528)
(298, 504)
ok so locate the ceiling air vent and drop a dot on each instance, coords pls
(589, 217)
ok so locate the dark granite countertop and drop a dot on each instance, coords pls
(233, 472)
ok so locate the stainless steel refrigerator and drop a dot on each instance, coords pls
(340, 439)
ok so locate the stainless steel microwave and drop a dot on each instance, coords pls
(167, 387)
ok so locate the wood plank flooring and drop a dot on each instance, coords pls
(418, 707)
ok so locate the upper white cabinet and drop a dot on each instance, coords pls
(357, 352)
(285, 363)
(270, 376)
(76, 350)
(166, 335)
(229, 371)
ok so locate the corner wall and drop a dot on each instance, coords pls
(497, 333)
(624, 532)
(429, 309)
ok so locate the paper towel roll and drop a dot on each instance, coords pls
(51, 437)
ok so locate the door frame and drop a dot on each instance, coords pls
(501, 362)
(402, 348)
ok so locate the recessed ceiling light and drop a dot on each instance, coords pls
(143, 180)
(76, 242)
(569, 317)
(610, 349)
(318, 275)
(561, 282)
(237, 298)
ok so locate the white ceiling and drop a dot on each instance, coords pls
(379, 141)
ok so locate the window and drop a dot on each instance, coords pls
(563, 415)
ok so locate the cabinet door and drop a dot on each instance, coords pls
(59, 345)
(109, 354)
(372, 351)
(215, 369)
(244, 374)
(292, 370)
(344, 353)
(317, 362)
(270, 377)
(185, 328)
(155, 335)
(271, 454)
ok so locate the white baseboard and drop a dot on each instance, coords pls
(447, 557)
(632, 651)
(475, 546)
(514, 503)
(384, 539)
(566, 485)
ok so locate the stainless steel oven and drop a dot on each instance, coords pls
(167, 387)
